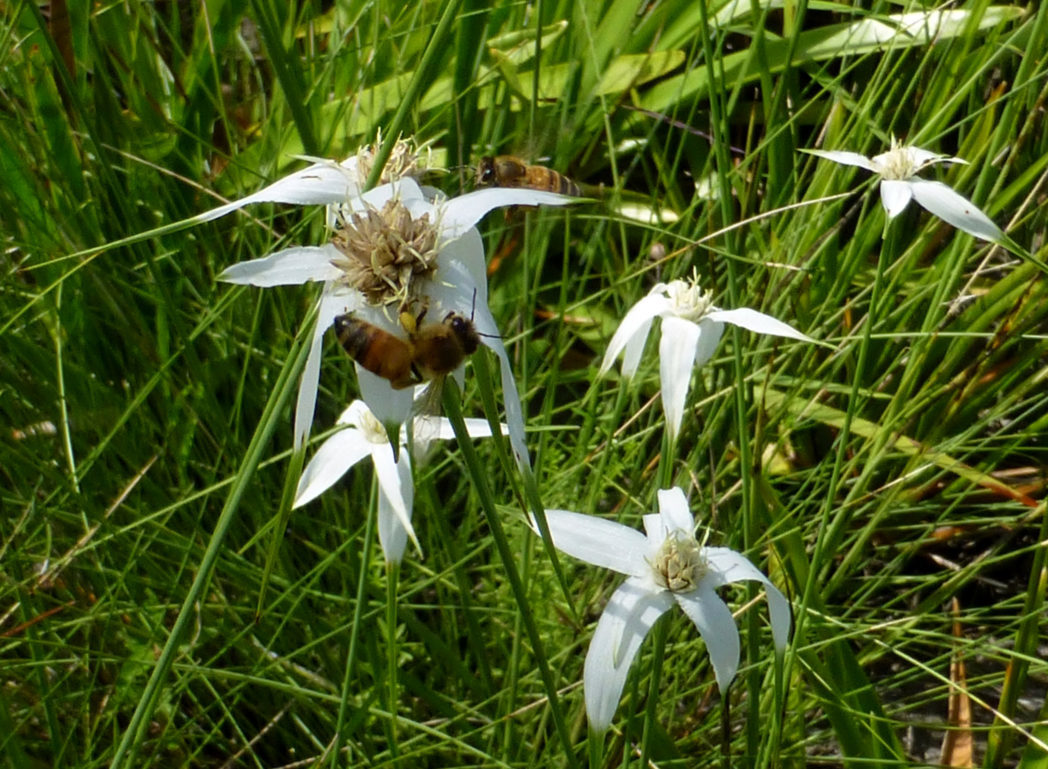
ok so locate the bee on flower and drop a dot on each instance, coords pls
(396, 250)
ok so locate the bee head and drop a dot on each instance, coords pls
(486, 170)
(342, 321)
(465, 331)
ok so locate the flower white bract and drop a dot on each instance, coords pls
(665, 566)
(364, 435)
(898, 169)
(691, 329)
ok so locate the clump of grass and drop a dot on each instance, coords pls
(162, 607)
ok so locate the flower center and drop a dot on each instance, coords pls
(899, 163)
(383, 251)
(688, 300)
(371, 428)
(679, 564)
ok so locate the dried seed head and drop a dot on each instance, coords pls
(384, 251)
(403, 161)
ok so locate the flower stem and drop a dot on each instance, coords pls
(63, 402)
(726, 729)
(487, 397)
(603, 457)
(657, 655)
(392, 572)
(291, 479)
(721, 103)
(595, 743)
(354, 636)
(830, 530)
(531, 497)
(453, 411)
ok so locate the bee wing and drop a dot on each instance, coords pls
(425, 428)
(428, 426)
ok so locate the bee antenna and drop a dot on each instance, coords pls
(473, 312)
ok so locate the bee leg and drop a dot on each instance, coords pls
(408, 323)
(410, 379)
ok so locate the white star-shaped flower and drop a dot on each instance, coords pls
(452, 279)
(365, 435)
(898, 169)
(691, 329)
(665, 566)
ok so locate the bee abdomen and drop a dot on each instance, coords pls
(376, 350)
(567, 187)
(352, 335)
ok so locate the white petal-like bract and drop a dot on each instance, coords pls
(331, 304)
(290, 267)
(713, 620)
(631, 612)
(392, 535)
(710, 333)
(389, 481)
(758, 322)
(953, 208)
(728, 566)
(895, 196)
(461, 213)
(322, 183)
(674, 511)
(632, 333)
(598, 541)
(677, 346)
(333, 459)
(845, 158)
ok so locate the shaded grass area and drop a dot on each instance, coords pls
(890, 480)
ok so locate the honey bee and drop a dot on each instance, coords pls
(510, 171)
(430, 350)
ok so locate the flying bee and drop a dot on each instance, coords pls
(510, 171)
(429, 351)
